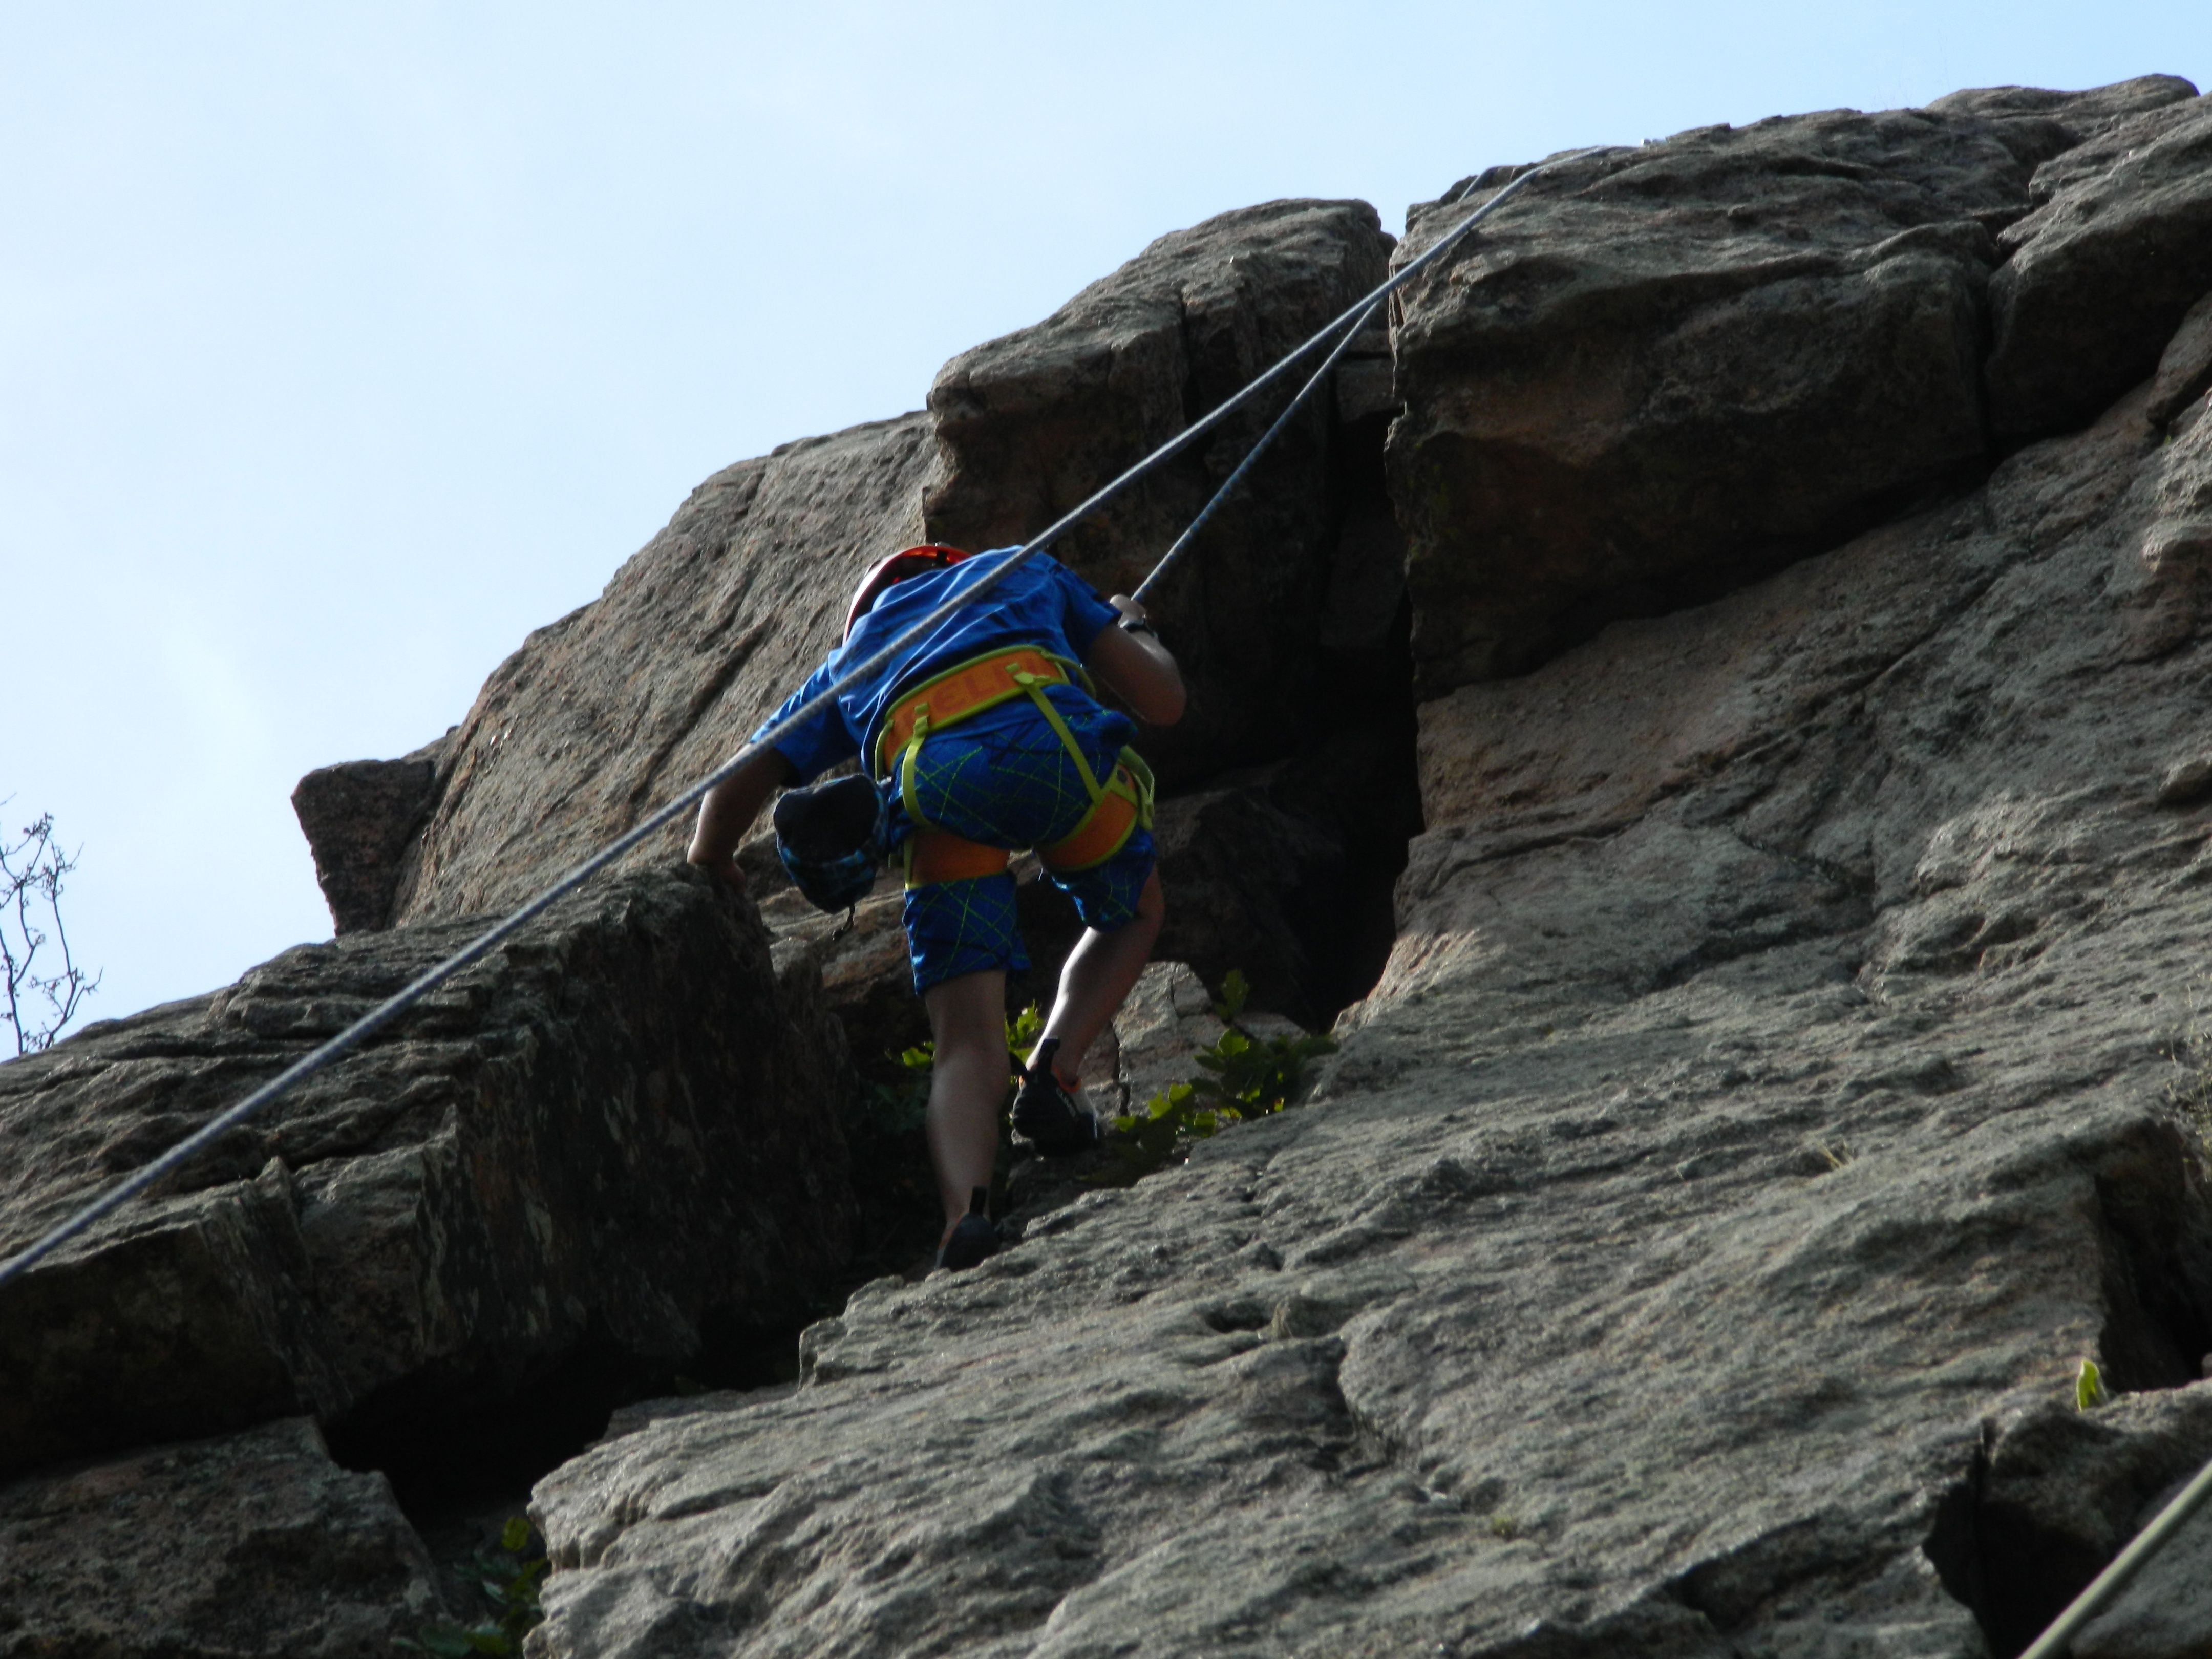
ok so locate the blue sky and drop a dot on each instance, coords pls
(342, 345)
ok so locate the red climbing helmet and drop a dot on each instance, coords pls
(913, 561)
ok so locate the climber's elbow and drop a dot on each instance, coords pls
(1164, 706)
(1141, 673)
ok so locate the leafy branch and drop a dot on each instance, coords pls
(38, 1004)
(1240, 1077)
(510, 1586)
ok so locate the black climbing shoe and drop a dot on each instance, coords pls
(974, 1238)
(1054, 1121)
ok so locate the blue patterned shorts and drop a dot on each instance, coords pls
(1004, 779)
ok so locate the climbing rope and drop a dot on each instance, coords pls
(1245, 465)
(1372, 306)
(389, 1010)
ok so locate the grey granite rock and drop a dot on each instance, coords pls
(2118, 248)
(617, 1128)
(1767, 1106)
(2064, 1489)
(1662, 372)
(358, 818)
(1789, 1064)
(251, 1545)
(1031, 424)
(601, 716)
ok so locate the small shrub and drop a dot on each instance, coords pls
(510, 1586)
(34, 1006)
(1240, 1077)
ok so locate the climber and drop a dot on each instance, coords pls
(985, 735)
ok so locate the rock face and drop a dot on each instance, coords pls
(1726, 1144)
(254, 1543)
(616, 1133)
(358, 818)
(2119, 247)
(2063, 1490)
(1782, 1077)
(1664, 371)
(1289, 620)
(1030, 425)
(1786, 1060)
(606, 713)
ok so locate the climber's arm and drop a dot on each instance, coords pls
(727, 812)
(1137, 667)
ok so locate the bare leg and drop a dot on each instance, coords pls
(1100, 970)
(967, 1086)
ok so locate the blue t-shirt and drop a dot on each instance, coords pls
(1043, 604)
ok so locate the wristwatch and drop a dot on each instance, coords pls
(1138, 625)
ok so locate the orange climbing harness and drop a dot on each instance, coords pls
(1118, 807)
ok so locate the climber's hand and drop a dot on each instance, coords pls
(723, 867)
(728, 810)
(726, 871)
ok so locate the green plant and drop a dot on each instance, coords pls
(510, 1586)
(1504, 1526)
(1240, 1077)
(2089, 1387)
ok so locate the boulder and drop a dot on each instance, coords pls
(2064, 1489)
(1661, 372)
(237, 1548)
(358, 818)
(1031, 424)
(605, 715)
(2097, 276)
(615, 1135)
(1780, 1084)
